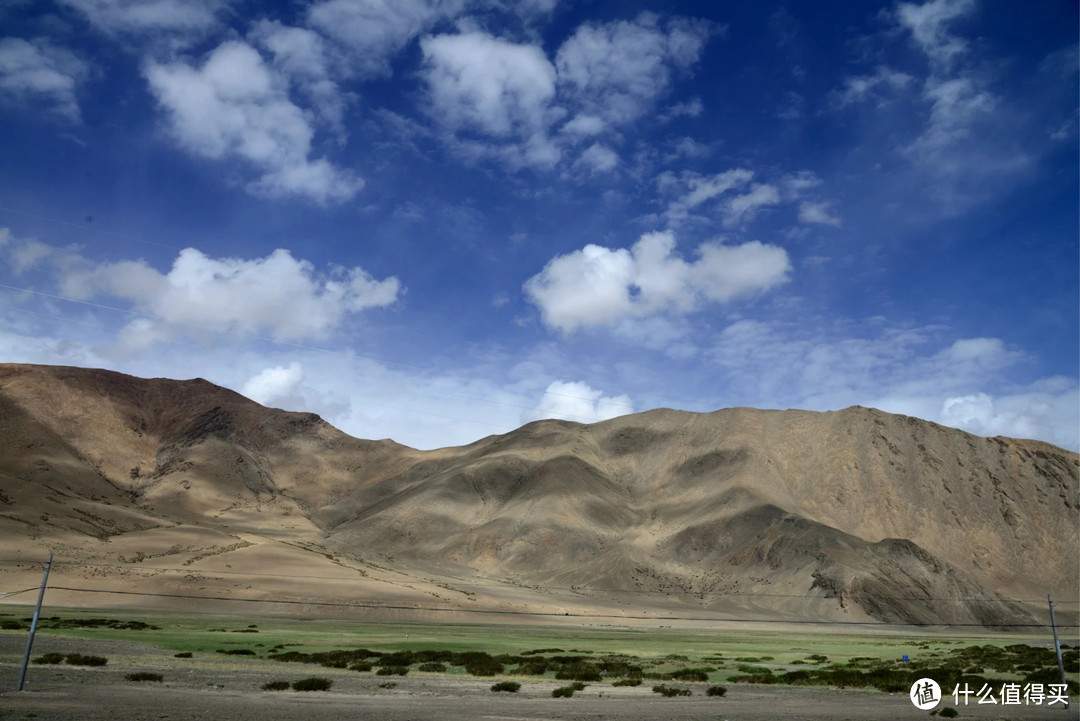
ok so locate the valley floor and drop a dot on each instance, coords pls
(226, 688)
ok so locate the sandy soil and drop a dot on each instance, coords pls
(220, 687)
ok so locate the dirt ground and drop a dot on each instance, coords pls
(222, 687)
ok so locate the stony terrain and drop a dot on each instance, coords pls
(182, 487)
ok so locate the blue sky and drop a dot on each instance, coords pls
(437, 220)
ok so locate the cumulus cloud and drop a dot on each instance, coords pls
(598, 158)
(235, 106)
(617, 70)
(481, 82)
(578, 402)
(305, 58)
(373, 31)
(181, 20)
(37, 75)
(276, 382)
(817, 213)
(915, 371)
(600, 286)
(201, 295)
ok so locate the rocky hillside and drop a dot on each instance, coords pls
(849, 515)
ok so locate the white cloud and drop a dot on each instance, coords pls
(38, 75)
(861, 88)
(736, 200)
(271, 384)
(701, 190)
(235, 106)
(599, 158)
(617, 70)
(741, 209)
(602, 286)
(181, 20)
(583, 126)
(817, 213)
(928, 24)
(914, 371)
(578, 402)
(305, 58)
(201, 296)
(480, 82)
(373, 31)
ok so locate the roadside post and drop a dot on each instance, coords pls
(37, 613)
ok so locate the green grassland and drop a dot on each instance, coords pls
(597, 654)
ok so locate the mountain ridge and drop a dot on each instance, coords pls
(853, 508)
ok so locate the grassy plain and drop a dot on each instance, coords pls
(724, 652)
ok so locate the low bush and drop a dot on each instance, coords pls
(312, 684)
(276, 686)
(392, 670)
(145, 676)
(627, 682)
(182, 654)
(948, 712)
(433, 667)
(532, 668)
(388, 684)
(716, 691)
(690, 674)
(507, 686)
(670, 691)
(78, 659)
(563, 692)
(236, 651)
(363, 666)
(49, 658)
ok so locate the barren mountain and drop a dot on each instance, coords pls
(162, 486)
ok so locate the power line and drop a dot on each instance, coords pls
(441, 609)
(510, 585)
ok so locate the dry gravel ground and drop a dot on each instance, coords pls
(221, 687)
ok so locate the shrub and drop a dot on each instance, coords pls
(50, 658)
(276, 686)
(532, 668)
(433, 667)
(392, 670)
(182, 654)
(716, 691)
(237, 651)
(388, 684)
(485, 668)
(312, 684)
(364, 666)
(948, 712)
(144, 676)
(690, 674)
(563, 692)
(627, 682)
(578, 686)
(508, 686)
(670, 691)
(77, 659)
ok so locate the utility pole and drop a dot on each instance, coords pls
(37, 613)
(1057, 644)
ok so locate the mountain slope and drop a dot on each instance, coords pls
(848, 515)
